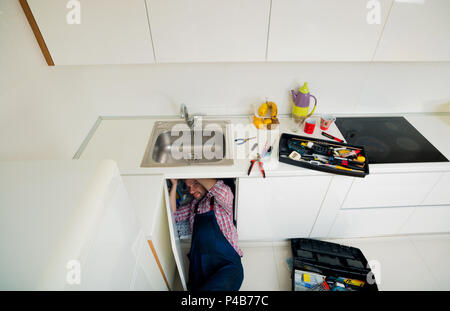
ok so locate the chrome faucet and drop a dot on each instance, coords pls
(191, 121)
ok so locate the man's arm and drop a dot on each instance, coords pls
(184, 211)
(221, 192)
(208, 183)
(173, 195)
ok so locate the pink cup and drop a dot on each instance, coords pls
(325, 122)
(310, 124)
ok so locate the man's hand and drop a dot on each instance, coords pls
(174, 182)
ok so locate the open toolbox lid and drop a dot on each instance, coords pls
(331, 260)
(286, 147)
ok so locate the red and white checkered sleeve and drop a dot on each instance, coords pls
(183, 212)
(222, 196)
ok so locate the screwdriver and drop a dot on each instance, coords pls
(331, 137)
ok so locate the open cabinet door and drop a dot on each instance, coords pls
(174, 239)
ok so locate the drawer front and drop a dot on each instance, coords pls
(428, 219)
(440, 193)
(390, 190)
(354, 223)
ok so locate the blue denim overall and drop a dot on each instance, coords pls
(214, 263)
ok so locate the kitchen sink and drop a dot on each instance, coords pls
(173, 143)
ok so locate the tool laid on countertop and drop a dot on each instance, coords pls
(265, 150)
(331, 137)
(241, 141)
(268, 152)
(252, 163)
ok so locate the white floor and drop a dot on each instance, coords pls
(405, 262)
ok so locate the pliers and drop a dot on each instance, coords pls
(241, 141)
(252, 162)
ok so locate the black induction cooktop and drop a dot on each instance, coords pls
(388, 140)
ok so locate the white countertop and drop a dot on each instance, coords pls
(124, 139)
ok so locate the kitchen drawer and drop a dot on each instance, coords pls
(352, 223)
(440, 195)
(390, 190)
(428, 219)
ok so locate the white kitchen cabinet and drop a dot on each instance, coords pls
(389, 190)
(278, 208)
(384, 204)
(209, 30)
(323, 30)
(441, 191)
(147, 198)
(416, 31)
(428, 219)
(109, 32)
(335, 196)
(369, 222)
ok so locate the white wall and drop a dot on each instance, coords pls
(45, 112)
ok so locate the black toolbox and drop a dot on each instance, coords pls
(284, 150)
(334, 261)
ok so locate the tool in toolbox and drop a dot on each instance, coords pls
(252, 163)
(241, 141)
(324, 155)
(295, 156)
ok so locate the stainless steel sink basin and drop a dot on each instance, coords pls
(173, 143)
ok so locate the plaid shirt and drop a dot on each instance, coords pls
(223, 209)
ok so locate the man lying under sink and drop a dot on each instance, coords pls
(214, 257)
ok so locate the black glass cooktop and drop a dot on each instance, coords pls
(388, 140)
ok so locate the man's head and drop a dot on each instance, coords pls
(195, 188)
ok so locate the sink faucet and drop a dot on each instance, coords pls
(191, 121)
